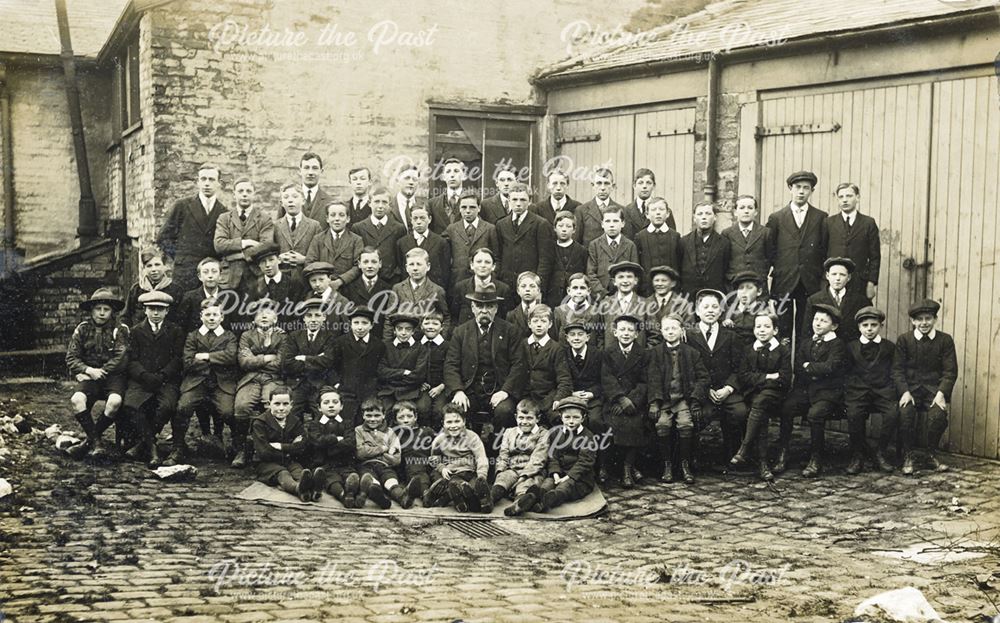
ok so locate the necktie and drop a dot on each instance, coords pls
(292, 223)
(369, 283)
(243, 215)
(579, 360)
(503, 200)
(311, 336)
(378, 225)
(614, 245)
(849, 223)
(536, 347)
(156, 329)
(309, 196)
(470, 230)
(839, 296)
(404, 345)
(639, 204)
(517, 224)
(746, 233)
(708, 333)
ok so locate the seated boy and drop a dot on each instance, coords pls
(96, 357)
(742, 314)
(460, 467)
(402, 371)
(155, 362)
(579, 308)
(927, 368)
(209, 384)
(766, 374)
(379, 454)
(818, 391)
(571, 452)
(678, 384)
(523, 456)
(415, 444)
(570, 257)
(259, 356)
(306, 357)
(331, 449)
(549, 379)
(584, 363)
(871, 387)
(433, 398)
(279, 442)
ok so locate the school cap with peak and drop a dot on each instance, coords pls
(869, 312)
(618, 267)
(362, 311)
(575, 325)
(264, 250)
(802, 176)
(710, 292)
(747, 276)
(830, 310)
(669, 271)
(926, 306)
(571, 402)
(156, 298)
(318, 268)
(846, 262)
(103, 295)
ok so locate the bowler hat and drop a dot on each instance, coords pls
(802, 176)
(846, 262)
(484, 296)
(103, 295)
(156, 298)
(926, 306)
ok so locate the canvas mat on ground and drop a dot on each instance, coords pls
(592, 505)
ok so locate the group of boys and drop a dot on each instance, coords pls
(614, 317)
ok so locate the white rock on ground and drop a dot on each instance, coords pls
(5, 488)
(906, 605)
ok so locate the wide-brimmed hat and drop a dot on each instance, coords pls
(103, 295)
(484, 296)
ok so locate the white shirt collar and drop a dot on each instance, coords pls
(403, 201)
(749, 227)
(208, 203)
(877, 339)
(625, 299)
(542, 342)
(557, 204)
(154, 326)
(705, 327)
(850, 217)
(438, 339)
(455, 194)
(275, 279)
(358, 203)
(771, 344)
(294, 217)
(210, 295)
(664, 228)
(582, 353)
(574, 306)
(217, 331)
(931, 335)
(479, 283)
(796, 208)
(364, 339)
(382, 221)
(474, 224)
(828, 337)
(833, 293)
(564, 244)
(624, 350)
(419, 237)
(414, 285)
(307, 190)
(409, 342)
(617, 239)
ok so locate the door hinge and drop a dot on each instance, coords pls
(580, 138)
(805, 128)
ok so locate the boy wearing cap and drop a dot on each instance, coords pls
(855, 235)
(798, 247)
(742, 313)
(320, 277)
(155, 362)
(721, 351)
(678, 383)
(152, 278)
(665, 300)
(549, 379)
(209, 384)
(279, 441)
(766, 374)
(927, 369)
(871, 387)
(584, 362)
(467, 235)
(307, 356)
(482, 264)
(625, 278)
(839, 271)
(818, 390)
(460, 467)
(355, 360)
(383, 233)
(607, 250)
(337, 246)
(572, 450)
(96, 357)
(749, 244)
(623, 379)
(704, 253)
(273, 283)
(658, 244)
(570, 258)
(403, 369)
(259, 356)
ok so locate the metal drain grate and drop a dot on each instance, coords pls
(479, 529)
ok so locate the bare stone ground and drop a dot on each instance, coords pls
(84, 542)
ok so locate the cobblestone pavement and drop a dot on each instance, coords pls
(80, 542)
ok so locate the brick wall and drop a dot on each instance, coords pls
(727, 154)
(46, 187)
(254, 109)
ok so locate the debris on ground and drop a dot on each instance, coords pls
(176, 472)
(65, 441)
(5, 488)
(935, 553)
(52, 432)
(906, 605)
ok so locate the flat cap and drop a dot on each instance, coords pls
(802, 176)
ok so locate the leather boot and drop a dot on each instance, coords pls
(935, 430)
(883, 461)
(667, 451)
(351, 486)
(685, 456)
(781, 462)
(754, 423)
(603, 461)
(240, 443)
(908, 464)
(628, 470)
(524, 502)
(812, 468)
(762, 470)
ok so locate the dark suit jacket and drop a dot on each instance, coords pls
(251, 357)
(461, 308)
(567, 261)
(751, 253)
(824, 376)
(586, 377)
(265, 430)
(342, 254)
(315, 370)
(189, 310)
(357, 293)
(154, 361)
(462, 246)
(713, 275)
(625, 377)
(134, 313)
(600, 257)
(589, 219)
(877, 376)
(300, 239)
(531, 247)
(657, 249)
(440, 219)
(222, 362)
(357, 214)
(315, 209)
(355, 365)
(640, 220)
(573, 454)
(862, 244)
(439, 251)
(461, 365)
(420, 301)
(931, 366)
(230, 232)
(385, 241)
(549, 378)
(757, 364)
(285, 293)
(692, 373)
(798, 256)
(402, 371)
(849, 305)
(491, 209)
(394, 212)
(517, 318)
(544, 208)
(721, 362)
(187, 236)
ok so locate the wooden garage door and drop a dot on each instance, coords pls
(661, 140)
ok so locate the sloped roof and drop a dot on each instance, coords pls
(30, 27)
(744, 24)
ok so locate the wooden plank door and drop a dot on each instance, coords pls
(664, 144)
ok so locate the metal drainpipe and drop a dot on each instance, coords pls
(711, 189)
(6, 131)
(87, 229)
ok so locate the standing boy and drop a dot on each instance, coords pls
(468, 235)
(436, 246)
(749, 243)
(704, 254)
(855, 235)
(570, 258)
(657, 244)
(839, 272)
(623, 378)
(382, 233)
(259, 356)
(590, 215)
(611, 248)
(526, 240)
(338, 246)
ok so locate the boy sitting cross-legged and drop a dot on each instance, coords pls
(458, 458)
(521, 464)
